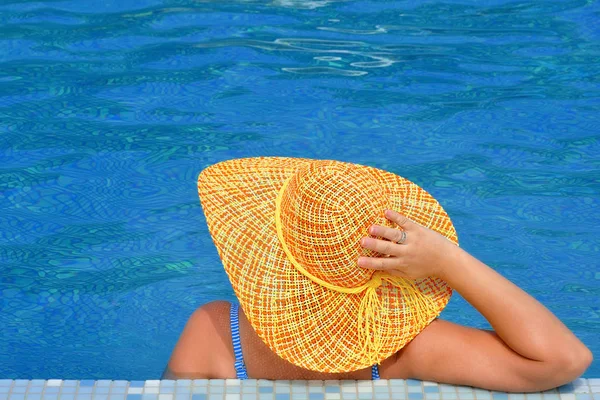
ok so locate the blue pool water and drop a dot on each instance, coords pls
(109, 109)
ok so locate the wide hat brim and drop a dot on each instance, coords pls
(304, 323)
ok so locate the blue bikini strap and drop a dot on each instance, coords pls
(374, 372)
(240, 367)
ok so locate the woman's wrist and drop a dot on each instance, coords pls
(452, 258)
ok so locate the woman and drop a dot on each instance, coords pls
(292, 232)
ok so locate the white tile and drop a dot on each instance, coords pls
(152, 383)
(444, 387)
(364, 384)
(582, 389)
(380, 382)
(151, 390)
(364, 389)
(567, 396)
(427, 383)
(349, 388)
(594, 381)
(232, 382)
(233, 396)
(54, 382)
(170, 397)
(135, 390)
(332, 396)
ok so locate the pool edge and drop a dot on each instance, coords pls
(234, 389)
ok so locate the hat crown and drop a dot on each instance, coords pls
(326, 208)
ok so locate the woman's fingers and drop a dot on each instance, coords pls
(380, 264)
(395, 235)
(395, 264)
(381, 246)
(399, 219)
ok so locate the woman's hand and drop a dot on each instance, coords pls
(424, 253)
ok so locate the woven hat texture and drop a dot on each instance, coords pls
(288, 233)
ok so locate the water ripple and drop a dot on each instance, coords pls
(305, 4)
(377, 30)
(325, 71)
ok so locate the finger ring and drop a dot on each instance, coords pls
(402, 238)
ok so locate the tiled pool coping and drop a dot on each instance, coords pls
(233, 389)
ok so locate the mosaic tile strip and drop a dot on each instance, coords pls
(233, 389)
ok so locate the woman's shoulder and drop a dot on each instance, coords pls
(204, 347)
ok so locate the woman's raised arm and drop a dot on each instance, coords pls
(546, 349)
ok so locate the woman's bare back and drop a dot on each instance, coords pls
(207, 336)
(443, 352)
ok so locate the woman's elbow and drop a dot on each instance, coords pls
(557, 372)
(573, 365)
(580, 362)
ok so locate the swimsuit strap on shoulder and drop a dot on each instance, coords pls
(240, 367)
(375, 372)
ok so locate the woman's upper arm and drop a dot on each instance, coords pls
(455, 354)
(204, 347)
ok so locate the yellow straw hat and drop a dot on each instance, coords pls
(288, 233)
